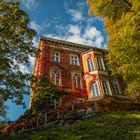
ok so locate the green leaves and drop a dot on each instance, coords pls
(121, 19)
(44, 95)
(15, 49)
(108, 8)
(2, 110)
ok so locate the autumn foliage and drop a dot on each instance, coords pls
(121, 21)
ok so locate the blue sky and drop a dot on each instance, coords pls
(62, 19)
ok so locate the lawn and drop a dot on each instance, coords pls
(108, 126)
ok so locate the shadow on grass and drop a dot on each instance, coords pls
(109, 126)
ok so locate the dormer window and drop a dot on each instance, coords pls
(90, 64)
(56, 57)
(74, 60)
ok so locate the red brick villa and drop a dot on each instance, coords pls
(79, 70)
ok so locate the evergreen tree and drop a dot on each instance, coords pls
(122, 25)
(15, 49)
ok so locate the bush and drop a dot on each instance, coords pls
(44, 95)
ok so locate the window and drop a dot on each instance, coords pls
(56, 57)
(105, 87)
(74, 60)
(76, 80)
(115, 86)
(56, 77)
(99, 62)
(94, 89)
(90, 64)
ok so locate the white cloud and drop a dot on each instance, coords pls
(99, 41)
(35, 42)
(89, 36)
(59, 28)
(74, 30)
(31, 4)
(75, 14)
(35, 26)
(78, 14)
(23, 69)
(81, 30)
(90, 20)
(92, 33)
(75, 39)
(55, 36)
(31, 60)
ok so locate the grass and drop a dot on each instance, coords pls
(109, 126)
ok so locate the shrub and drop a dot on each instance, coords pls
(44, 95)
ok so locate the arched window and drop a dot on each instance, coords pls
(95, 89)
(56, 77)
(105, 87)
(76, 80)
(90, 64)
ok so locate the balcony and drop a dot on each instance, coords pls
(99, 72)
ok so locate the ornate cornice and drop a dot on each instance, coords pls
(83, 47)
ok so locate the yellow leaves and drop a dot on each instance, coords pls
(97, 6)
(121, 20)
(136, 5)
(1, 4)
(15, 11)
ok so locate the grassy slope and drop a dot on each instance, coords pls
(110, 126)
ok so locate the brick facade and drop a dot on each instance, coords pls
(66, 65)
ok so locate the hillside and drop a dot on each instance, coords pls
(109, 126)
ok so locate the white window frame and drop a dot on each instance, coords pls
(102, 60)
(101, 63)
(54, 80)
(90, 63)
(54, 56)
(108, 88)
(76, 85)
(76, 61)
(93, 94)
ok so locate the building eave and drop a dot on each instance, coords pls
(77, 45)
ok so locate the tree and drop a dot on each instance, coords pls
(2, 111)
(44, 95)
(122, 25)
(15, 49)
